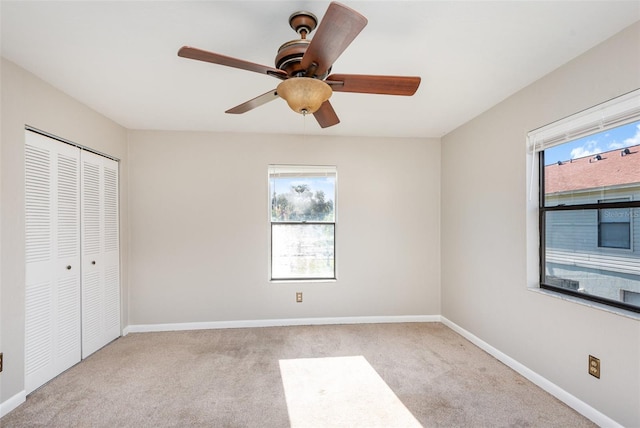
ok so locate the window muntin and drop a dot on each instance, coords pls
(590, 216)
(302, 213)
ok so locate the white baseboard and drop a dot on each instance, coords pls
(12, 403)
(570, 400)
(143, 328)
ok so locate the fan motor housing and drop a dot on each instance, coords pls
(289, 57)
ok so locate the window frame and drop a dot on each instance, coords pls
(303, 170)
(615, 112)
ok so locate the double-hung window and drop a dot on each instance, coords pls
(302, 215)
(589, 203)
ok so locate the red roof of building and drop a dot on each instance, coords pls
(612, 169)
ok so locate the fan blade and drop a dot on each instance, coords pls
(255, 102)
(200, 55)
(339, 26)
(326, 115)
(367, 84)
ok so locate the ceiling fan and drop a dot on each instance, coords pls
(304, 65)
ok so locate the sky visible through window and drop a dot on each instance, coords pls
(325, 184)
(612, 139)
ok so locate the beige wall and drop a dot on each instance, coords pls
(200, 232)
(27, 100)
(489, 244)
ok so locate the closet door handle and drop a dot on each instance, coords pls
(68, 267)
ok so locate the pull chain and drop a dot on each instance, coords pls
(304, 127)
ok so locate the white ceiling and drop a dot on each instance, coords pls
(119, 57)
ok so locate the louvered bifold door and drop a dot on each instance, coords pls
(100, 252)
(52, 243)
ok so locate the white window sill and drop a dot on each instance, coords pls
(589, 303)
(301, 281)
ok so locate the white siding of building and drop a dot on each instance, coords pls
(574, 253)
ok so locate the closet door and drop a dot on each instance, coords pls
(100, 252)
(52, 243)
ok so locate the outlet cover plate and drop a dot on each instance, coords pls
(594, 366)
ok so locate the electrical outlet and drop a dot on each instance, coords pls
(594, 366)
(299, 297)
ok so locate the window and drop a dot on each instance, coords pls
(631, 297)
(302, 213)
(614, 226)
(589, 209)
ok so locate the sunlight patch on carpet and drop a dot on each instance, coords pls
(340, 392)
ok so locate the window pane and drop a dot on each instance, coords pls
(602, 165)
(615, 215)
(574, 259)
(615, 235)
(303, 198)
(302, 251)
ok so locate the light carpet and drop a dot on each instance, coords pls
(422, 373)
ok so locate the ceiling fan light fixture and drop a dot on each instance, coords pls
(304, 95)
